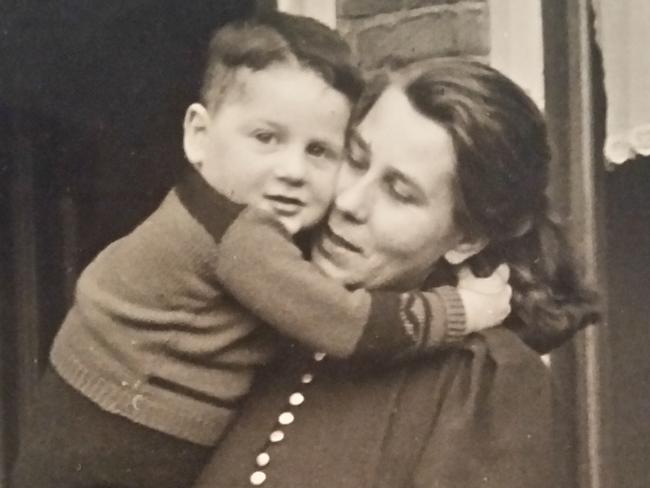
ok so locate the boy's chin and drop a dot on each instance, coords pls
(291, 224)
(297, 223)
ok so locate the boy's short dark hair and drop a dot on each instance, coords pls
(274, 37)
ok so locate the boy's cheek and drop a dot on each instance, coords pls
(324, 185)
(322, 201)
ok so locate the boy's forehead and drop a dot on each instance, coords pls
(236, 85)
(290, 97)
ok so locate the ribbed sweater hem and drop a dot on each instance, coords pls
(203, 426)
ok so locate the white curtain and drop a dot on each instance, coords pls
(322, 10)
(623, 33)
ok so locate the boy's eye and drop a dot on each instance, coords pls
(316, 150)
(265, 137)
(357, 158)
(359, 164)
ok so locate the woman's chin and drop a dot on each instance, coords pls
(329, 268)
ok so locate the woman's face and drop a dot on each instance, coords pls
(392, 218)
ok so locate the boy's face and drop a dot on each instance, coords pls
(276, 142)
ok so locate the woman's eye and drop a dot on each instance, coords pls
(264, 137)
(316, 150)
(402, 192)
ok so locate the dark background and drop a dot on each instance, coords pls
(92, 95)
(628, 266)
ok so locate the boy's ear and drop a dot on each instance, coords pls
(195, 127)
(465, 250)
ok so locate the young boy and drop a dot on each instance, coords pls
(155, 355)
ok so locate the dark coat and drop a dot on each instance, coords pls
(474, 416)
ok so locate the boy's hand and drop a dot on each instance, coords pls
(486, 300)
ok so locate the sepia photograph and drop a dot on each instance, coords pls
(324, 244)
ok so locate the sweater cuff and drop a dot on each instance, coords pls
(456, 319)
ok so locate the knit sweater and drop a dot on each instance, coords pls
(155, 335)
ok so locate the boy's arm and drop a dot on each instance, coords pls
(264, 270)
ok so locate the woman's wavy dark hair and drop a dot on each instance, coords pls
(503, 155)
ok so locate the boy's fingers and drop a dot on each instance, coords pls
(495, 285)
(464, 273)
(506, 312)
(490, 286)
(503, 271)
(495, 281)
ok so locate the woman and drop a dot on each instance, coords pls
(446, 167)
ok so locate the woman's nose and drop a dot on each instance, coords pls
(290, 168)
(353, 200)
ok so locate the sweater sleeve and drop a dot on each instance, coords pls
(265, 271)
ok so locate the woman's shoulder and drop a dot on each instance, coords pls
(485, 404)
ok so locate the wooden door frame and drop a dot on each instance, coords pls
(575, 111)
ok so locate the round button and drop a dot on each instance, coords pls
(307, 378)
(319, 356)
(296, 399)
(257, 478)
(286, 418)
(263, 459)
(276, 436)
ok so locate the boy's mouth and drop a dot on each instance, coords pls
(285, 206)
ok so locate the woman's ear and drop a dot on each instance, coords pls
(465, 250)
(195, 127)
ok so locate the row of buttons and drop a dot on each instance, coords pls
(287, 417)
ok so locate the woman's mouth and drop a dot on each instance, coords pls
(285, 206)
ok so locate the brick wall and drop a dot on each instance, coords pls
(411, 32)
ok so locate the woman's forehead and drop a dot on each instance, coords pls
(393, 113)
(396, 135)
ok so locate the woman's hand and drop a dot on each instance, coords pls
(486, 300)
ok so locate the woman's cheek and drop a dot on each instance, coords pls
(404, 229)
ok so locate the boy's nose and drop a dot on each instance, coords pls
(290, 168)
